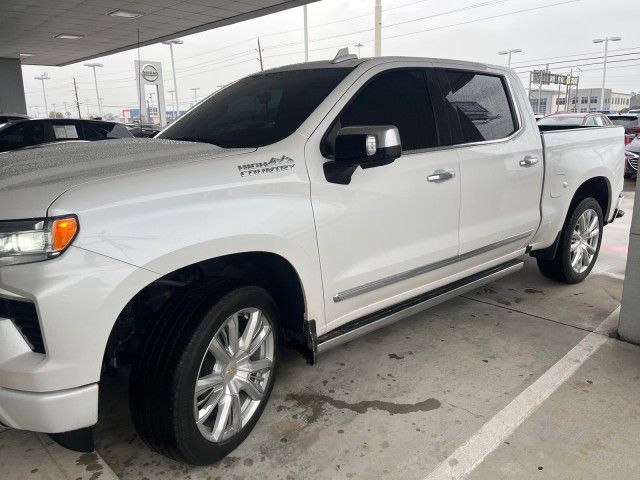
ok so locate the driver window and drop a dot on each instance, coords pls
(399, 98)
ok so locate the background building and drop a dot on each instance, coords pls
(584, 100)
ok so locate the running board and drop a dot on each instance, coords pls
(389, 315)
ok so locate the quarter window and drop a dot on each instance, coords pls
(481, 104)
(399, 98)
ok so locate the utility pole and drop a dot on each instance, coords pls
(606, 41)
(95, 81)
(75, 89)
(378, 28)
(195, 94)
(42, 78)
(306, 34)
(359, 46)
(509, 53)
(260, 58)
(176, 105)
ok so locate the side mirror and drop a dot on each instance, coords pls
(362, 146)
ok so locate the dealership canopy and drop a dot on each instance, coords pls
(60, 32)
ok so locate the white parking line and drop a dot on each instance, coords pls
(491, 435)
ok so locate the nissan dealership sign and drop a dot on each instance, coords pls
(149, 73)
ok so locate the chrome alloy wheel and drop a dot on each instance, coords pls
(584, 241)
(234, 374)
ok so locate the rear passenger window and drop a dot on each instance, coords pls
(481, 105)
(398, 98)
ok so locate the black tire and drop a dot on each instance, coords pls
(163, 379)
(559, 268)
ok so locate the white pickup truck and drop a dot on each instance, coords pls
(305, 206)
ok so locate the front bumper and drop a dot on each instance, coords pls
(52, 412)
(78, 298)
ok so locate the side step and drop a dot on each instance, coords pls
(389, 315)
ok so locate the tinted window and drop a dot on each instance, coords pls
(630, 121)
(481, 105)
(258, 110)
(397, 98)
(21, 135)
(104, 131)
(590, 122)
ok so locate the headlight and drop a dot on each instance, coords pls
(26, 241)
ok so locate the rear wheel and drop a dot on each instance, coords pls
(205, 374)
(579, 244)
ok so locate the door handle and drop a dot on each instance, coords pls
(441, 176)
(528, 161)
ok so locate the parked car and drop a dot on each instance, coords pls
(631, 159)
(630, 122)
(305, 205)
(590, 119)
(11, 117)
(29, 133)
(146, 130)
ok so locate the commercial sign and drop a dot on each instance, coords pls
(149, 73)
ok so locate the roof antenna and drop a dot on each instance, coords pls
(343, 55)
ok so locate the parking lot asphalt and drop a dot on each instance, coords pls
(400, 401)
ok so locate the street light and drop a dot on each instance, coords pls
(358, 46)
(171, 43)
(173, 105)
(42, 78)
(95, 81)
(604, 67)
(509, 52)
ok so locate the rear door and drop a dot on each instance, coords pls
(501, 167)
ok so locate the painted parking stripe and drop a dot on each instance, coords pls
(491, 435)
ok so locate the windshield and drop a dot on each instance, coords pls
(560, 121)
(630, 121)
(258, 110)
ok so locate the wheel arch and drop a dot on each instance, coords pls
(269, 270)
(598, 187)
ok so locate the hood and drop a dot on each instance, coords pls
(30, 180)
(634, 146)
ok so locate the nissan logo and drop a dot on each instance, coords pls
(150, 73)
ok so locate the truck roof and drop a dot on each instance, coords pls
(353, 63)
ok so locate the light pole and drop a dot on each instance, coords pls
(95, 81)
(173, 104)
(358, 46)
(604, 67)
(377, 43)
(306, 33)
(195, 94)
(509, 52)
(171, 43)
(42, 78)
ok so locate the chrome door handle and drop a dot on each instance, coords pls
(441, 176)
(528, 161)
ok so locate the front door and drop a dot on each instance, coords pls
(381, 237)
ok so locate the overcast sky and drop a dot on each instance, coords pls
(546, 31)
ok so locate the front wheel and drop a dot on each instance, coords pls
(206, 373)
(579, 244)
